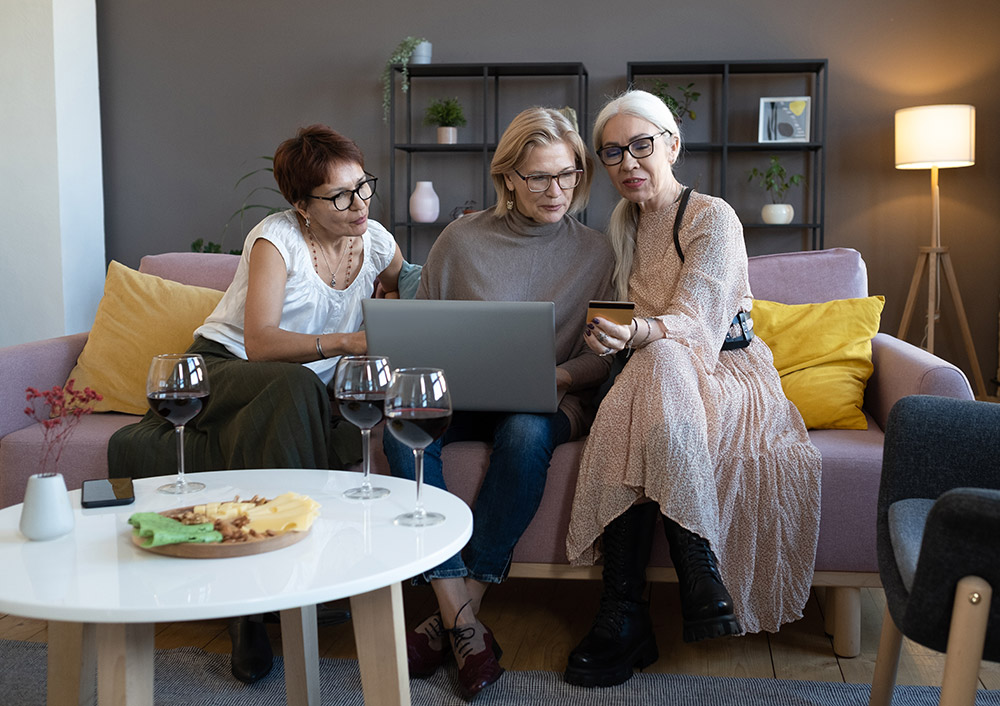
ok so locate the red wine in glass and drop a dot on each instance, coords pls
(418, 410)
(176, 388)
(359, 384)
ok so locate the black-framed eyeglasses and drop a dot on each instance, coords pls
(639, 148)
(538, 183)
(342, 201)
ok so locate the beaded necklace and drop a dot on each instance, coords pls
(348, 253)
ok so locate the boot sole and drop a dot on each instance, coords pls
(698, 630)
(641, 657)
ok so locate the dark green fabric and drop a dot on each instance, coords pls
(257, 415)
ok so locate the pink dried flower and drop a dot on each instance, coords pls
(58, 410)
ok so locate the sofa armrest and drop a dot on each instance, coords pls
(41, 364)
(902, 369)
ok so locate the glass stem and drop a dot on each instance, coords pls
(366, 441)
(180, 454)
(418, 467)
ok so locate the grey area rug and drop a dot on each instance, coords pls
(191, 676)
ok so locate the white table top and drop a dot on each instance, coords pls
(95, 574)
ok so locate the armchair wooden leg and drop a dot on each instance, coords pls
(886, 662)
(966, 637)
(846, 603)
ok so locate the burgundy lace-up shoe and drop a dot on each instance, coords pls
(477, 655)
(426, 647)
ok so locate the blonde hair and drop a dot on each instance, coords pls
(625, 216)
(539, 126)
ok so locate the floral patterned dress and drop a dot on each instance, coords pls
(705, 433)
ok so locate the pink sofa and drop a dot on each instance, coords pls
(845, 559)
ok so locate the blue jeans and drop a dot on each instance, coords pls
(510, 493)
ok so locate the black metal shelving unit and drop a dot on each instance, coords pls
(723, 146)
(491, 76)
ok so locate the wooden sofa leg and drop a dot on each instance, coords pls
(886, 662)
(846, 604)
(966, 637)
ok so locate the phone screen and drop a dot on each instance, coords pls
(105, 492)
(616, 312)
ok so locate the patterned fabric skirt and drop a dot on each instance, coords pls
(725, 455)
(257, 415)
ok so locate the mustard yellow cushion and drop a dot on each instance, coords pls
(140, 316)
(823, 353)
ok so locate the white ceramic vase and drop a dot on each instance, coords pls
(424, 203)
(777, 213)
(46, 513)
(447, 135)
(421, 53)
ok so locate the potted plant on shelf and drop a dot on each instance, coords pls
(400, 55)
(680, 107)
(448, 115)
(776, 180)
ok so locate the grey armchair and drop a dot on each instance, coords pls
(938, 539)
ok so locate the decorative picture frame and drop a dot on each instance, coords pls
(784, 119)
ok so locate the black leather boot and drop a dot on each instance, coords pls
(252, 656)
(706, 605)
(621, 638)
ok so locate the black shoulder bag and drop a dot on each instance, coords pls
(741, 329)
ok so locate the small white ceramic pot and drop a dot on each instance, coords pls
(447, 135)
(46, 513)
(424, 203)
(421, 53)
(777, 213)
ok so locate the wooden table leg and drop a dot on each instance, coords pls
(72, 664)
(300, 647)
(125, 664)
(381, 641)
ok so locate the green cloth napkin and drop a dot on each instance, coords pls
(166, 530)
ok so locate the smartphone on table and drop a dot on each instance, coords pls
(106, 492)
(615, 312)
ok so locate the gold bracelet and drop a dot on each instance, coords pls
(319, 349)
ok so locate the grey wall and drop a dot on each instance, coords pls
(193, 91)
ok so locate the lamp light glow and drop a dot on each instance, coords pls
(940, 136)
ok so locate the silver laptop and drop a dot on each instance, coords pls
(496, 356)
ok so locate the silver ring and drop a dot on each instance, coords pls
(602, 337)
(607, 351)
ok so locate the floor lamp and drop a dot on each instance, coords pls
(937, 137)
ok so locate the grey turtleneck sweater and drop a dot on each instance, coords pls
(482, 257)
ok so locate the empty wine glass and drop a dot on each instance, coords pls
(418, 411)
(359, 385)
(176, 388)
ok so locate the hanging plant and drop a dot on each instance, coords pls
(400, 55)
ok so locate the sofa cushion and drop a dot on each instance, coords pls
(823, 353)
(140, 316)
(808, 276)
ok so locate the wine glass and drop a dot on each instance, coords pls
(176, 388)
(418, 410)
(359, 386)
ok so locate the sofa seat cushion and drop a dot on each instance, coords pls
(85, 455)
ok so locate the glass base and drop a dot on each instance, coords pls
(419, 519)
(366, 493)
(177, 488)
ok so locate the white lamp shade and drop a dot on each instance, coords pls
(935, 136)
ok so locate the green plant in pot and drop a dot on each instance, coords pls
(679, 105)
(448, 115)
(776, 181)
(400, 55)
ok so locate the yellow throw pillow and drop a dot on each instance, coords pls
(823, 353)
(140, 316)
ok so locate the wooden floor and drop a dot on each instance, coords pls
(537, 622)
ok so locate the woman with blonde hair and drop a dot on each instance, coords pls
(528, 248)
(695, 429)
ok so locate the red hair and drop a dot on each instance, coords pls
(303, 162)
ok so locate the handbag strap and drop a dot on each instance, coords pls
(685, 194)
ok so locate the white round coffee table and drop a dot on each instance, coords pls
(103, 595)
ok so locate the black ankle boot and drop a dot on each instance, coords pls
(706, 605)
(252, 656)
(621, 638)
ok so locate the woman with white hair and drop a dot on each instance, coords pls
(696, 427)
